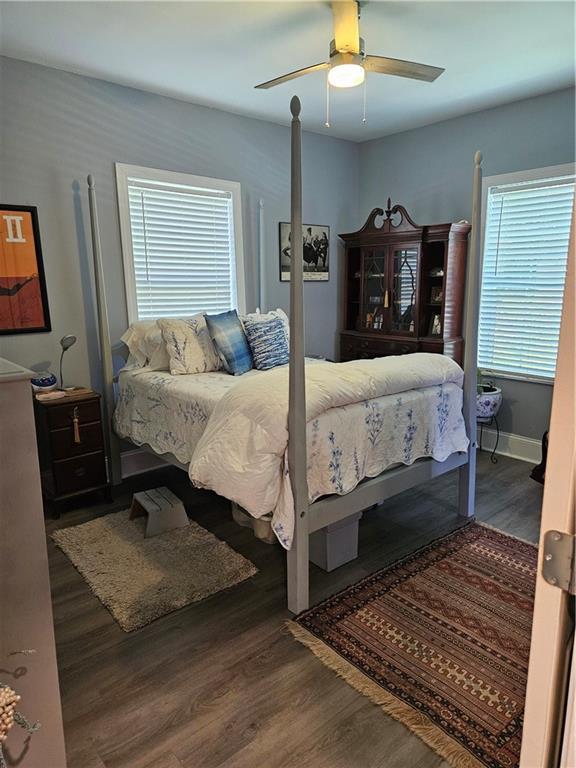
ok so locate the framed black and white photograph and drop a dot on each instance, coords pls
(316, 251)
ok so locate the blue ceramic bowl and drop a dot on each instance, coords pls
(44, 381)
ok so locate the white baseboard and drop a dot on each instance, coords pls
(138, 461)
(514, 446)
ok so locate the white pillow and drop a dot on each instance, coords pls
(146, 345)
(155, 349)
(134, 340)
(264, 317)
(189, 345)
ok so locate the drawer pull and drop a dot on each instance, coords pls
(76, 426)
(80, 471)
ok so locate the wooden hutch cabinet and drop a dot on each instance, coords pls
(404, 287)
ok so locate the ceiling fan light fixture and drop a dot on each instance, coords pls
(346, 75)
(349, 62)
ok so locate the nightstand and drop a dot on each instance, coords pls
(70, 447)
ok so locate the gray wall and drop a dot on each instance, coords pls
(57, 127)
(429, 171)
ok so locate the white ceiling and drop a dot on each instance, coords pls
(213, 53)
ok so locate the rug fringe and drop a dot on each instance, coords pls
(449, 749)
(508, 535)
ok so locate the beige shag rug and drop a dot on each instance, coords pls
(140, 579)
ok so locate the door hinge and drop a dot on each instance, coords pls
(559, 561)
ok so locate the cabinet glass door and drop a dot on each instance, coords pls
(375, 295)
(403, 299)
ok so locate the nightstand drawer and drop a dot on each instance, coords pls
(64, 447)
(62, 415)
(82, 472)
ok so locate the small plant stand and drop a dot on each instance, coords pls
(489, 422)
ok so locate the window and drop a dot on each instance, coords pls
(181, 242)
(526, 237)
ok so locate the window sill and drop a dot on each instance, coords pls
(516, 377)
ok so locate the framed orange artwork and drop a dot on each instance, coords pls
(23, 298)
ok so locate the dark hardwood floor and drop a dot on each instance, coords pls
(221, 684)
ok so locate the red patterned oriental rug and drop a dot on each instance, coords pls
(440, 641)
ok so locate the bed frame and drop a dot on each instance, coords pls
(330, 510)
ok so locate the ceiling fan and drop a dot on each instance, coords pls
(348, 61)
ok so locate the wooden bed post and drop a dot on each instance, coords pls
(467, 485)
(262, 300)
(297, 557)
(112, 446)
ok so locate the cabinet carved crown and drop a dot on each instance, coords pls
(404, 286)
(388, 222)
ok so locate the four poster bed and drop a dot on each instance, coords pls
(249, 415)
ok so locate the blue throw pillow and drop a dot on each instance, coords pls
(268, 342)
(230, 341)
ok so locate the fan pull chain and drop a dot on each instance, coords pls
(327, 123)
(364, 100)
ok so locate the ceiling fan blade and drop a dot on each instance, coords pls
(401, 68)
(346, 31)
(293, 75)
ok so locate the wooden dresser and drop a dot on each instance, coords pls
(26, 621)
(404, 287)
(71, 446)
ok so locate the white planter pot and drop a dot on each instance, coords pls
(488, 403)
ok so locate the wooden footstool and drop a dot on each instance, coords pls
(163, 509)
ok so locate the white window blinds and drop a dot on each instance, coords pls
(523, 273)
(182, 247)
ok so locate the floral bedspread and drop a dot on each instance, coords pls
(168, 413)
(363, 417)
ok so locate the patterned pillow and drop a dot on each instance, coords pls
(230, 341)
(268, 342)
(265, 317)
(189, 345)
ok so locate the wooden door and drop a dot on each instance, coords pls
(552, 641)
(568, 757)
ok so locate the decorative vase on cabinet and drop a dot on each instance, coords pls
(404, 287)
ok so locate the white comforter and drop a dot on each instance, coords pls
(363, 416)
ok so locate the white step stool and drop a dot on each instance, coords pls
(163, 509)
